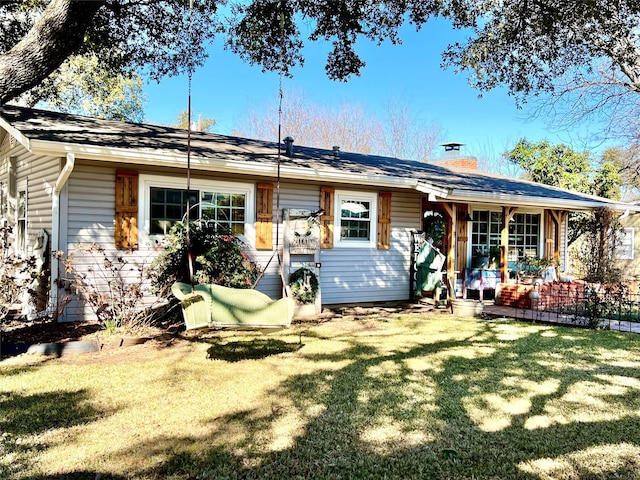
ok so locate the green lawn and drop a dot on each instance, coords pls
(400, 398)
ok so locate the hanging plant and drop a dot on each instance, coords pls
(304, 285)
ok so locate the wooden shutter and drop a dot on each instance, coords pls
(463, 237)
(384, 220)
(126, 209)
(327, 195)
(264, 216)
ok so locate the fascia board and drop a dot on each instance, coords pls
(529, 201)
(15, 133)
(167, 159)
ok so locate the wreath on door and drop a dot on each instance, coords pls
(304, 285)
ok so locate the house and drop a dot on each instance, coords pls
(123, 185)
(629, 245)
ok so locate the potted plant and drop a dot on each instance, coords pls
(530, 269)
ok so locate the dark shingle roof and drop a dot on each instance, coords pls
(79, 130)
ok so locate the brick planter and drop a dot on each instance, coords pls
(551, 295)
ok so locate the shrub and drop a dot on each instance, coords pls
(112, 284)
(594, 256)
(17, 275)
(217, 258)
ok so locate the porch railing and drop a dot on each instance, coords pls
(580, 303)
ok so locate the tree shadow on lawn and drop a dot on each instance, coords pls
(79, 475)
(409, 414)
(484, 406)
(253, 349)
(28, 416)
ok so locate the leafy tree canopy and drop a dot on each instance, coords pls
(529, 44)
(525, 45)
(561, 166)
(36, 36)
(82, 86)
(627, 164)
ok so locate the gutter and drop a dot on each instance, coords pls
(65, 173)
(532, 201)
(231, 166)
(227, 165)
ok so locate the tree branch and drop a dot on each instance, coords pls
(58, 33)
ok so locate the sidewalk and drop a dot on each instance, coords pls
(557, 318)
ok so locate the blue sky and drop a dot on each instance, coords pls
(225, 88)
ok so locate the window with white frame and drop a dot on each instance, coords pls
(624, 246)
(485, 232)
(355, 219)
(4, 208)
(225, 205)
(21, 218)
(524, 235)
(168, 206)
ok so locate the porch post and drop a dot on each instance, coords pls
(550, 228)
(507, 215)
(558, 217)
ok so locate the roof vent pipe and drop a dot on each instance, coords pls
(336, 151)
(288, 146)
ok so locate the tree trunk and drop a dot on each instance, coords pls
(58, 33)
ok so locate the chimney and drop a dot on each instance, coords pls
(452, 149)
(336, 151)
(453, 159)
(288, 146)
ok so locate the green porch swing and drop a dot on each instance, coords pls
(211, 306)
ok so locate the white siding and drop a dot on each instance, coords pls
(291, 196)
(40, 174)
(4, 173)
(352, 275)
(91, 206)
(91, 210)
(371, 275)
(347, 275)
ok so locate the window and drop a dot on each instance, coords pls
(485, 232)
(227, 206)
(21, 219)
(356, 217)
(169, 206)
(624, 247)
(225, 210)
(524, 236)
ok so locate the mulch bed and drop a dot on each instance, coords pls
(46, 332)
(41, 332)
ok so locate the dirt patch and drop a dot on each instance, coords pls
(150, 343)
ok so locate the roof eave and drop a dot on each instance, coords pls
(533, 201)
(178, 160)
(15, 133)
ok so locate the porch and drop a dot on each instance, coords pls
(576, 303)
(484, 246)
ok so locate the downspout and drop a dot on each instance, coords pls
(65, 173)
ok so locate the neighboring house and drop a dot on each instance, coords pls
(628, 251)
(123, 185)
